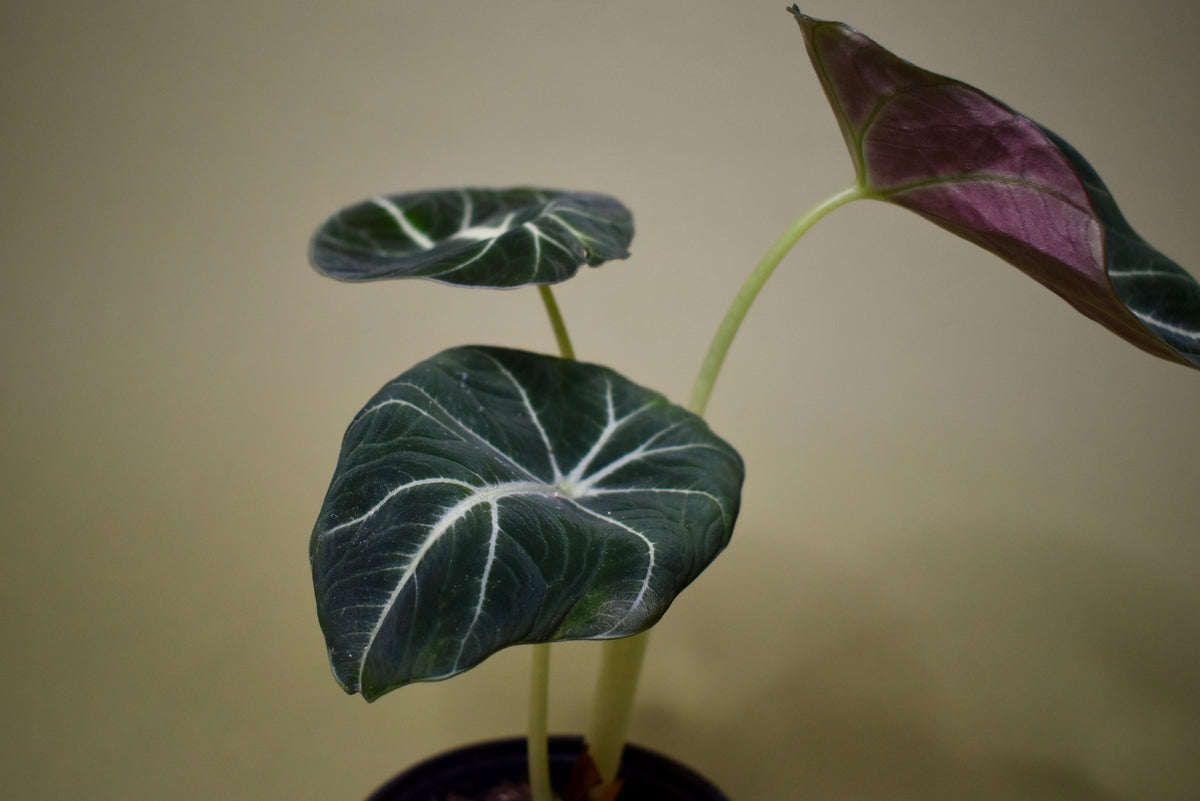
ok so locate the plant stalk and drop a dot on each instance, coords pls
(715, 358)
(621, 660)
(538, 741)
(556, 322)
(620, 663)
(612, 704)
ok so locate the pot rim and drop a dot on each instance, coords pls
(648, 774)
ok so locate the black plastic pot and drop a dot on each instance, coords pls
(471, 771)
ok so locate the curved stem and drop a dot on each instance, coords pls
(621, 663)
(556, 322)
(707, 377)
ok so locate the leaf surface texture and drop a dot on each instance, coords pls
(497, 238)
(489, 497)
(970, 164)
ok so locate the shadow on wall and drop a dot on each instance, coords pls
(986, 667)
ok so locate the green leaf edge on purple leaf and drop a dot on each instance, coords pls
(1079, 246)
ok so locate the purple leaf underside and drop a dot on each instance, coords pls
(970, 164)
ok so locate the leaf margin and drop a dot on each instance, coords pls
(502, 238)
(584, 464)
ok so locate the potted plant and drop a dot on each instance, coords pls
(490, 497)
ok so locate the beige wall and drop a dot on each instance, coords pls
(967, 562)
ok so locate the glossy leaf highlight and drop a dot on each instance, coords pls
(489, 497)
(975, 167)
(498, 238)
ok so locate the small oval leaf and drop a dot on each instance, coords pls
(498, 238)
(490, 497)
(970, 164)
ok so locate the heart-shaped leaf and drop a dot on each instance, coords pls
(489, 497)
(973, 166)
(473, 237)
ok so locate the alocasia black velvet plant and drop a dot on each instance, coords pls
(489, 497)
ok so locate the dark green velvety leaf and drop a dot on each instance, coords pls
(489, 497)
(973, 166)
(499, 238)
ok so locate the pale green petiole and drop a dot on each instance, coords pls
(537, 743)
(622, 659)
(707, 377)
(612, 703)
(565, 348)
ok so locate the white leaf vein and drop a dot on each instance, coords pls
(661, 490)
(611, 425)
(533, 417)
(1177, 330)
(463, 428)
(640, 452)
(651, 562)
(481, 495)
(421, 482)
(411, 231)
(493, 538)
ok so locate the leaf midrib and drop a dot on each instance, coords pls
(489, 494)
(492, 495)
